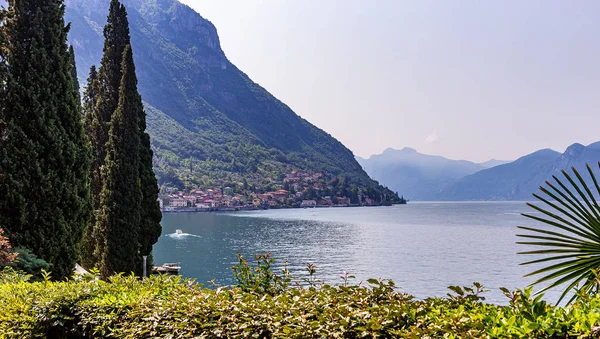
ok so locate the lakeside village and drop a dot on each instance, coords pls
(298, 189)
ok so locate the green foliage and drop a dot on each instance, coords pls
(28, 263)
(125, 189)
(73, 73)
(472, 294)
(570, 238)
(44, 159)
(3, 52)
(90, 100)
(118, 221)
(100, 102)
(168, 306)
(150, 214)
(261, 279)
(116, 38)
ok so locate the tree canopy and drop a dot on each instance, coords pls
(44, 158)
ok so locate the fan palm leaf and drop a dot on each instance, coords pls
(569, 242)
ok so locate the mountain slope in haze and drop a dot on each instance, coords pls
(519, 179)
(493, 163)
(414, 175)
(208, 120)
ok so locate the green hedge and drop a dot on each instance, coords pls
(170, 307)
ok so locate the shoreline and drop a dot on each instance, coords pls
(244, 208)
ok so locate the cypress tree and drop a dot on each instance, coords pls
(90, 96)
(3, 40)
(73, 72)
(3, 126)
(100, 102)
(116, 37)
(3, 72)
(90, 100)
(44, 159)
(118, 221)
(150, 228)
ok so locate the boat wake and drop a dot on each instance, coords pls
(182, 235)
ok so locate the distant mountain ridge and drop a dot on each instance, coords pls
(432, 178)
(493, 163)
(415, 175)
(519, 179)
(210, 124)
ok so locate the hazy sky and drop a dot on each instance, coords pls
(463, 79)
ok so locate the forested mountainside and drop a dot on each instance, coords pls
(210, 124)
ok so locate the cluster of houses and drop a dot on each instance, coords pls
(297, 184)
(299, 181)
(209, 199)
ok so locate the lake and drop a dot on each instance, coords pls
(423, 247)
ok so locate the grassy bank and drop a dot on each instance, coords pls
(170, 307)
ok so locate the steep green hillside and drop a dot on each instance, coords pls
(208, 120)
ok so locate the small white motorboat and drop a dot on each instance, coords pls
(169, 268)
(172, 266)
(178, 231)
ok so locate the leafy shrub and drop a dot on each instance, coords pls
(29, 263)
(260, 279)
(172, 307)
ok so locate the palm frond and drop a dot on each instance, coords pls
(569, 241)
(589, 168)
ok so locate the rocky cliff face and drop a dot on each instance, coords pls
(206, 117)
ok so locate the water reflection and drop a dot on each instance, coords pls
(422, 247)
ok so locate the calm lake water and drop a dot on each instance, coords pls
(423, 247)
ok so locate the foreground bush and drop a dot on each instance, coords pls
(170, 307)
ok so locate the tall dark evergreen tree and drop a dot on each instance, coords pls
(118, 220)
(44, 159)
(73, 72)
(100, 103)
(3, 79)
(90, 100)
(3, 65)
(150, 228)
(90, 96)
(103, 100)
(3, 41)
(116, 37)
